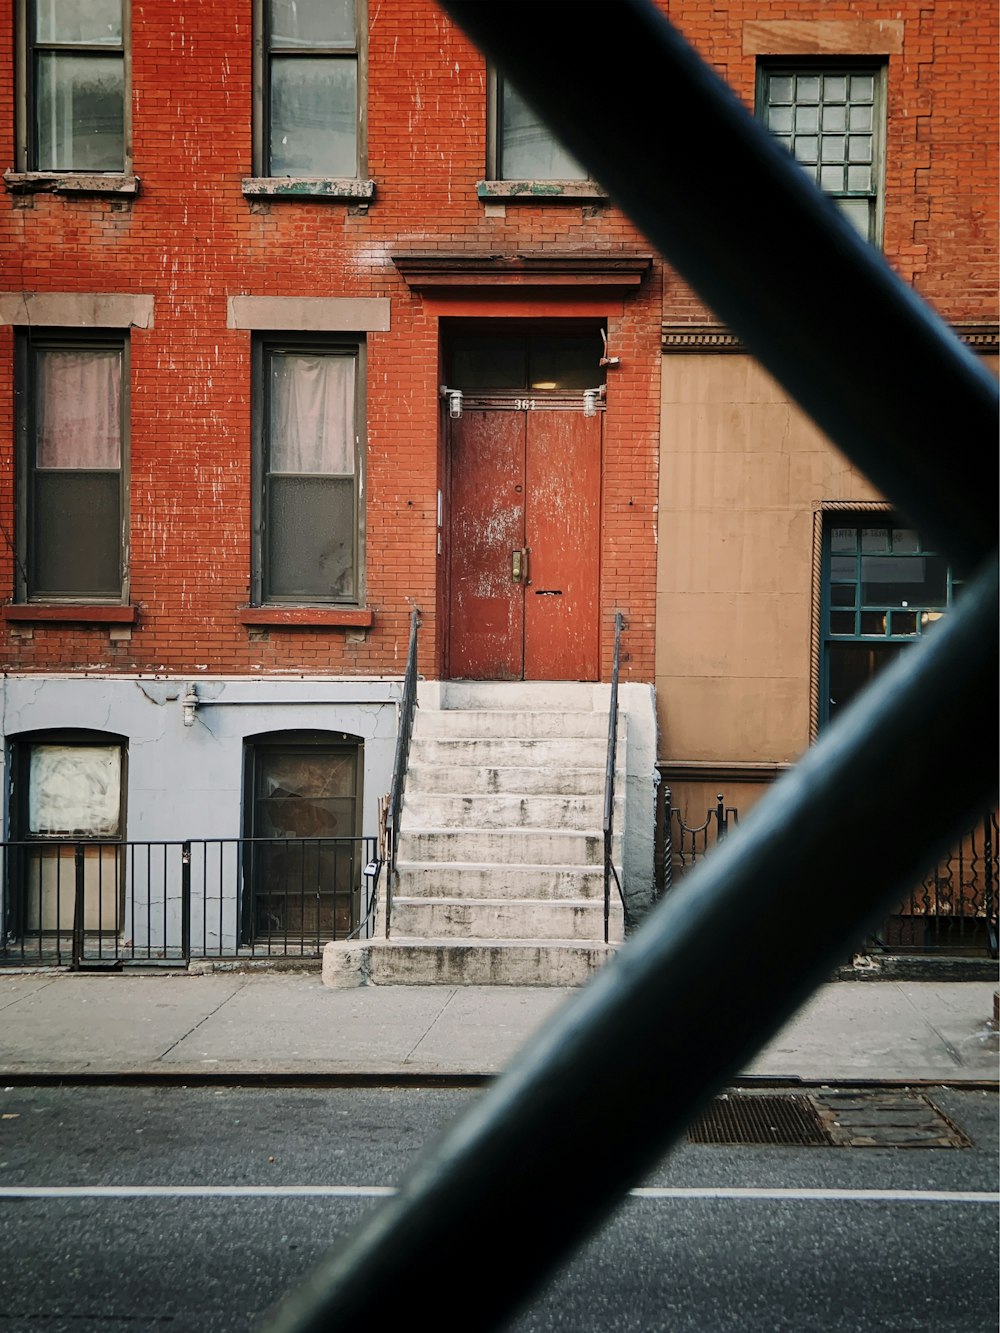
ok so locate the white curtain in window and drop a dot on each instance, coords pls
(312, 414)
(78, 398)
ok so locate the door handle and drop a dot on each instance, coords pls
(519, 565)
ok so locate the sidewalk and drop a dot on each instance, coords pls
(184, 1026)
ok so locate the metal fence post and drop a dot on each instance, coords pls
(78, 905)
(185, 901)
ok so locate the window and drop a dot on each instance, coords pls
(73, 108)
(71, 474)
(831, 118)
(308, 528)
(522, 147)
(302, 815)
(882, 589)
(312, 71)
(67, 788)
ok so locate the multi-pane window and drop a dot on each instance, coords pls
(71, 501)
(308, 546)
(882, 590)
(525, 148)
(831, 120)
(311, 78)
(74, 109)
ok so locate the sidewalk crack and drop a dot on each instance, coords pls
(952, 1050)
(424, 1035)
(17, 999)
(204, 1019)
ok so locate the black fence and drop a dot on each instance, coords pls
(953, 911)
(98, 903)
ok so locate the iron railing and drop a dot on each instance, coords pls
(610, 871)
(656, 1033)
(952, 912)
(99, 903)
(407, 708)
(680, 846)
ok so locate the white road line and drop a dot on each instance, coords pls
(382, 1191)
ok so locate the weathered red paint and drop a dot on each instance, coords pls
(487, 525)
(525, 480)
(563, 485)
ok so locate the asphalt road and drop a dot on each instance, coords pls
(725, 1239)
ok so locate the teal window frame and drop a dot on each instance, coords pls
(843, 600)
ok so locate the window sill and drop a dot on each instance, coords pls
(294, 617)
(534, 192)
(71, 182)
(308, 187)
(69, 613)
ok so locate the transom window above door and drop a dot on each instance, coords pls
(519, 360)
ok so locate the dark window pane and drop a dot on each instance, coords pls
(80, 112)
(843, 568)
(841, 622)
(904, 622)
(87, 22)
(528, 150)
(76, 534)
(851, 667)
(314, 117)
(873, 622)
(312, 23)
(905, 540)
(901, 580)
(489, 363)
(310, 526)
(842, 594)
(565, 362)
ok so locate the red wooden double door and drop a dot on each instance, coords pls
(524, 541)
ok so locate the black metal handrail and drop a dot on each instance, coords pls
(103, 903)
(407, 707)
(610, 872)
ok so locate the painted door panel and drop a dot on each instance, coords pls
(525, 479)
(563, 486)
(487, 525)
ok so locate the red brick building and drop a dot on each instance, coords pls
(244, 249)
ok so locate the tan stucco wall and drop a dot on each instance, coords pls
(742, 470)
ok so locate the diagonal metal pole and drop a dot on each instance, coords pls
(589, 1105)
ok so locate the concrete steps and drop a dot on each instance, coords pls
(500, 866)
(447, 962)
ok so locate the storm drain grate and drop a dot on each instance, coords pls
(742, 1119)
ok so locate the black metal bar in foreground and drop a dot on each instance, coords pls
(591, 1103)
(738, 218)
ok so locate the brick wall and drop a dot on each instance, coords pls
(192, 239)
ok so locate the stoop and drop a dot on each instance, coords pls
(500, 865)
